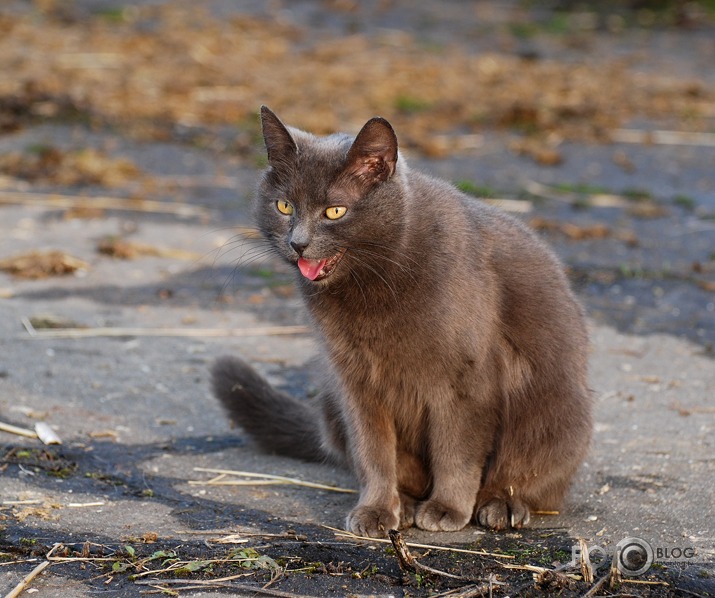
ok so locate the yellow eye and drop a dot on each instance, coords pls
(336, 212)
(284, 207)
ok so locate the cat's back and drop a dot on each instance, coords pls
(500, 265)
(487, 236)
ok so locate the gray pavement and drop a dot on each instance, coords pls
(138, 408)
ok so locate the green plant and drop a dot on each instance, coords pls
(472, 188)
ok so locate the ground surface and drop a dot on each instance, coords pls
(95, 130)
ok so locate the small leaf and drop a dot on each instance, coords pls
(162, 554)
(196, 565)
(266, 562)
(130, 550)
(119, 567)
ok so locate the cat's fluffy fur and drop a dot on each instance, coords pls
(454, 352)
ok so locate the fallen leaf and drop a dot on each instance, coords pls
(537, 150)
(648, 210)
(44, 512)
(574, 232)
(128, 250)
(42, 264)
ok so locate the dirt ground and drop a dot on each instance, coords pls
(129, 151)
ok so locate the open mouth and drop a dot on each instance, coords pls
(319, 269)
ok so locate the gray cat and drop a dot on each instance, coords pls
(454, 352)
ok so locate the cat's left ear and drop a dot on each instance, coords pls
(280, 144)
(373, 155)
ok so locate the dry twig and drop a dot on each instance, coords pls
(408, 563)
(346, 534)
(585, 561)
(19, 588)
(597, 586)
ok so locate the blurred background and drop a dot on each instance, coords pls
(593, 121)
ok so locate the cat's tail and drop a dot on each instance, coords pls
(276, 421)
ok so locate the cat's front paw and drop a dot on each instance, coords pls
(499, 514)
(374, 522)
(436, 517)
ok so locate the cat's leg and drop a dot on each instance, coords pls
(413, 483)
(333, 431)
(512, 506)
(373, 452)
(459, 444)
(499, 513)
(532, 469)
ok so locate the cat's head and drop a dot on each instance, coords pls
(330, 205)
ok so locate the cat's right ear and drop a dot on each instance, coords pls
(280, 145)
(373, 155)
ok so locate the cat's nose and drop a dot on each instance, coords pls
(299, 246)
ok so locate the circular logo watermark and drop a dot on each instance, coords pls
(634, 556)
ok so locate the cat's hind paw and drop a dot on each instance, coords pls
(436, 517)
(408, 506)
(498, 514)
(373, 522)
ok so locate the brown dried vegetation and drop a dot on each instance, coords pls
(178, 64)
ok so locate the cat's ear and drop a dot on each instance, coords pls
(280, 144)
(373, 155)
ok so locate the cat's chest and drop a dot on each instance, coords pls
(384, 352)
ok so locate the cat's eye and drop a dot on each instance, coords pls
(335, 212)
(284, 207)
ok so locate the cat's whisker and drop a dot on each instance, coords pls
(404, 269)
(237, 242)
(394, 250)
(356, 278)
(380, 276)
(260, 250)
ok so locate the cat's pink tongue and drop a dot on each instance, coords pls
(310, 268)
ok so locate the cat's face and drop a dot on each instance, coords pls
(327, 204)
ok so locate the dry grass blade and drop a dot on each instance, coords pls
(600, 200)
(261, 476)
(532, 568)
(19, 588)
(162, 332)
(472, 591)
(516, 206)
(182, 564)
(237, 587)
(645, 582)
(52, 200)
(346, 534)
(663, 137)
(230, 539)
(17, 430)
